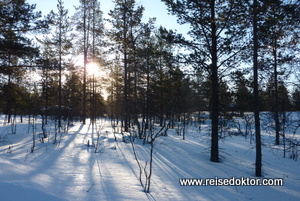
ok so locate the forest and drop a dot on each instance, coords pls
(235, 73)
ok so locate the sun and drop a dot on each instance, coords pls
(95, 71)
(92, 68)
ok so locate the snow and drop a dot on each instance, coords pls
(70, 170)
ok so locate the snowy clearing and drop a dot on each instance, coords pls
(70, 170)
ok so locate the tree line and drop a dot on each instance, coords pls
(240, 56)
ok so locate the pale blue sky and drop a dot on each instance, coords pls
(153, 8)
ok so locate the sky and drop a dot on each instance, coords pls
(153, 8)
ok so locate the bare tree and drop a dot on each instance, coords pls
(146, 170)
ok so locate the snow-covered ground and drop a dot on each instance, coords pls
(70, 170)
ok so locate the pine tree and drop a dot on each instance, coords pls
(17, 18)
(16, 51)
(60, 44)
(126, 19)
(217, 31)
(296, 99)
(258, 158)
(243, 96)
(278, 36)
(89, 23)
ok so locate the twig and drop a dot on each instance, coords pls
(90, 188)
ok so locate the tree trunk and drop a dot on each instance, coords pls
(258, 162)
(60, 77)
(84, 64)
(126, 121)
(215, 89)
(276, 113)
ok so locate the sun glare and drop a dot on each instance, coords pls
(93, 69)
